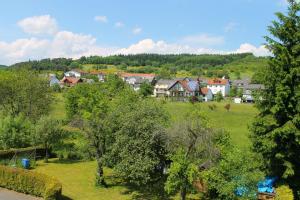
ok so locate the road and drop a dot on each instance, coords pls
(11, 195)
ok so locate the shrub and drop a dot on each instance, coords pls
(283, 192)
(29, 182)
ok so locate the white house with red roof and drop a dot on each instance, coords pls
(217, 85)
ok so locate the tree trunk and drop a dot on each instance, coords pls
(183, 194)
(47, 154)
(100, 175)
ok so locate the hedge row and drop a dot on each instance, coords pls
(8, 154)
(29, 182)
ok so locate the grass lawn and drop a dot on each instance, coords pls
(78, 180)
(235, 121)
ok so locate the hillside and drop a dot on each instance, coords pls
(233, 66)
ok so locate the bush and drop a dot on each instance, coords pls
(29, 182)
(283, 192)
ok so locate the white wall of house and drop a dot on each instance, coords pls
(215, 88)
(161, 90)
(73, 74)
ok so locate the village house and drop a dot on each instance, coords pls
(70, 81)
(217, 85)
(135, 80)
(161, 87)
(248, 89)
(184, 89)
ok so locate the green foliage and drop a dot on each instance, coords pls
(24, 92)
(181, 174)
(283, 192)
(219, 97)
(275, 132)
(235, 168)
(146, 89)
(138, 152)
(233, 91)
(48, 133)
(15, 132)
(30, 183)
(195, 144)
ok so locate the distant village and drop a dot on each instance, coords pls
(177, 89)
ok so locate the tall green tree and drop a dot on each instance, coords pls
(24, 92)
(138, 152)
(91, 105)
(48, 133)
(15, 132)
(276, 130)
(194, 142)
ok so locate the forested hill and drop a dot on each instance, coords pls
(2, 66)
(187, 64)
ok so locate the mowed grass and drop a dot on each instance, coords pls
(58, 110)
(235, 121)
(78, 180)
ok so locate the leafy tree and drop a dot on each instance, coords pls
(195, 145)
(233, 91)
(164, 74)
(235, 169)
(15, 132)
(48, 133)
(240, 93)
(92, 104)
(146, 89)
(138, 152)
(276, 130)
(219, 97)
(24, 92)
(181, 174)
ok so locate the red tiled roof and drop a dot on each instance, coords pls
(204, 90)
(137, 74)
(184, 84)
(217, 81)
(71, 80)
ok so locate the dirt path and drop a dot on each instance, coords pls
(11, 195)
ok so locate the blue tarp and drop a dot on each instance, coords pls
(267, 185)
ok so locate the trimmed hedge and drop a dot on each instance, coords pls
(8, 154)
(29, 182)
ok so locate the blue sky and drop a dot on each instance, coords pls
(34, 29)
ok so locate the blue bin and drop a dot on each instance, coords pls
(25, 163)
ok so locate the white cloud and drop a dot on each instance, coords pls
(203, 40)
(137, 30)
(257, 51)
(162, 47)
(119, 24)
(22, 50)
(231, 26)
(102, 19)
(38, 25)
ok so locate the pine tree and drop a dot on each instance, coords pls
(276, 131)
